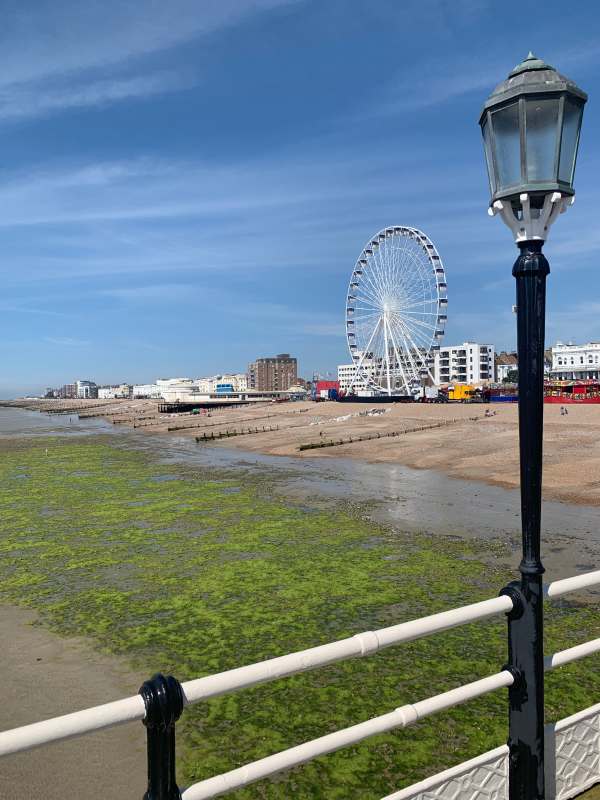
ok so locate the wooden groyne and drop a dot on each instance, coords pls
(212, 436)
(367, 437)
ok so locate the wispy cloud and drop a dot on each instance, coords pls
(154, 293)
(67, 36)
(64, 55)
(15, 308)
(438, 82)
(66, 341)
(34, 100)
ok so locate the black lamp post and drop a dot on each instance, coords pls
(530, 125)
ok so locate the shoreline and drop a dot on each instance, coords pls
(457, 439)
(423, 499)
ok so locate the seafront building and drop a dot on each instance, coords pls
(227, 382)
(86, 390)
(68, 391)
(148, 390)
(273, 374)
(119, 392)
(505, 363)
(467, 363)
(348, 379)
(576, 361)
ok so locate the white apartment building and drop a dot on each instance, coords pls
(151, 390)
(113, 392)
(469, 362)
(86, 390)
(347, 379)
(576, 361)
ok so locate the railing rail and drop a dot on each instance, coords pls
(362, 644)
(132, 708)
(399, 718)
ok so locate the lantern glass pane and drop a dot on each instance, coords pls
(570, 138)
(541, 126)
(488, 155)
(505, 122)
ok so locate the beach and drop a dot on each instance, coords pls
(456, 439)
(135, 550)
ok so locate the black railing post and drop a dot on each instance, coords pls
(163, 698)
(526, 633)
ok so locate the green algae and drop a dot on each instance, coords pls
(194, 571)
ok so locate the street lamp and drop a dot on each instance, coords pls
(530, 125)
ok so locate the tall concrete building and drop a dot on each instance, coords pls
(467, 363)
(273, 374)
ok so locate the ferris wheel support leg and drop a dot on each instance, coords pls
(399, 361)
(387, 352)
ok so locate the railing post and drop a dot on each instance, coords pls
(163, 698)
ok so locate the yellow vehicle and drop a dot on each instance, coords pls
(461, 392)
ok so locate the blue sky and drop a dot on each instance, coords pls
(186, 185)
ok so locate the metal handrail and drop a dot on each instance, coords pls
(133, 708)
(399, 718)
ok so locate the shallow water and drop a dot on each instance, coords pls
(21, 422)
(423, 500)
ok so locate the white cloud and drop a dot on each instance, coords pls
(53, 51)
(21, 101)
(58, 37)
(66, 341)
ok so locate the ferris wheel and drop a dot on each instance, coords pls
(396, 311)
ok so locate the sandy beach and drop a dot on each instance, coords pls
(44, 675)
(457, 439)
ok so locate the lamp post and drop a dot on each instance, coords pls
(530, 125)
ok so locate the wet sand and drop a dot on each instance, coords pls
(455, 439)
(44, 675)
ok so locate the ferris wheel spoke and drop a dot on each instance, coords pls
(418, 304)
(418, 338)
(419, 313)
(423, 324)
(365, 303)
(366, 289)
(377, 280)
(371, 292)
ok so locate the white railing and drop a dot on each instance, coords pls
(362, 644)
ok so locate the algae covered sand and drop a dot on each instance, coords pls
(193, 571)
